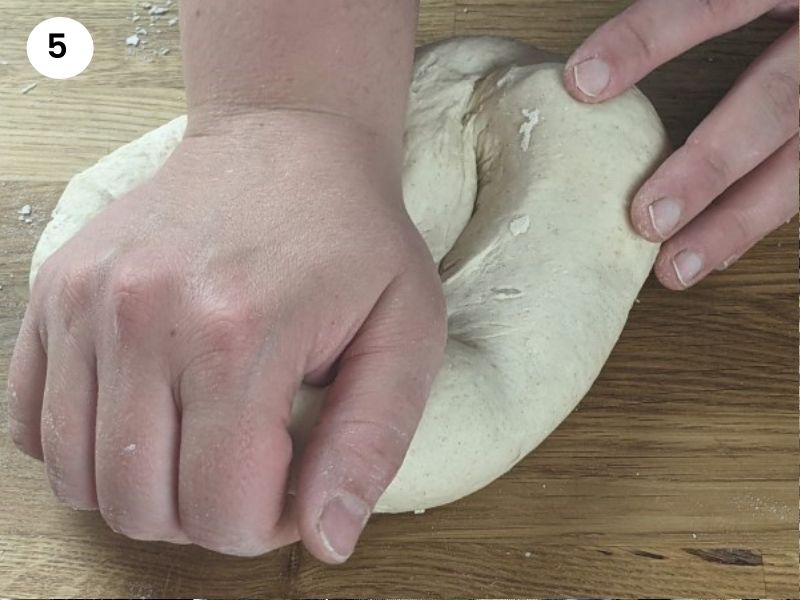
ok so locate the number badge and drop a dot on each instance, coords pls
(60, 48)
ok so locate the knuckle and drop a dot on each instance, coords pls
(742, 227)
(21, 435)
(637, 41)
(376, 456)
(782, 104)
(712, 167)
(129, 283)
(76, 288)
(133, 292)
(715, 163)
(229, 329)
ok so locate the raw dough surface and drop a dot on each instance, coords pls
(522, 195)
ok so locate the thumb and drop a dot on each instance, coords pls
(370, 414)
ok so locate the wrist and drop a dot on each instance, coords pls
(292, 134)
(253, 120)
(350, 59)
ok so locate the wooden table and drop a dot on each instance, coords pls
(677, 476)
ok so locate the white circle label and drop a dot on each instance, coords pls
(60, 48)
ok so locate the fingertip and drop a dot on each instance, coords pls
(28, 444)
(588, 78)
(641, 215)
(340, 525)
(667, 279)
(679, 271)
(83, 504)
(568, 79)
(337, 488)
(26, 438)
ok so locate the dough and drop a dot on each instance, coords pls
(522, 196)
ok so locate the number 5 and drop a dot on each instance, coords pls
(54, 43)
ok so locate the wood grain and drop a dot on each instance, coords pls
(676, 477)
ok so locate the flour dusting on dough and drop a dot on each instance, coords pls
(506, 293)
(519, 225)
(502, 81)
(531, 119)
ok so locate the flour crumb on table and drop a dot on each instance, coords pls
(528, 555)
(28, 88)
(145, 42)
(25, 210)
(419, 511)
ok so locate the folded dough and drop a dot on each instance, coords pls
(522, 195)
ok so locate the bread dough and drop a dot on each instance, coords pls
(522, 195)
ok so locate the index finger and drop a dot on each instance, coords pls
(648, 34)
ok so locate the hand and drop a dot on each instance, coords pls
(163, 345)
(735, 178)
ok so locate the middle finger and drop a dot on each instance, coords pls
(756, 117)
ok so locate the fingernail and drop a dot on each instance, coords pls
(341, 523)
(664, 215)
(687, 265)
(591, 76)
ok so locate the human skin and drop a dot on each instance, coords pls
(734, 180)
(163, 344)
